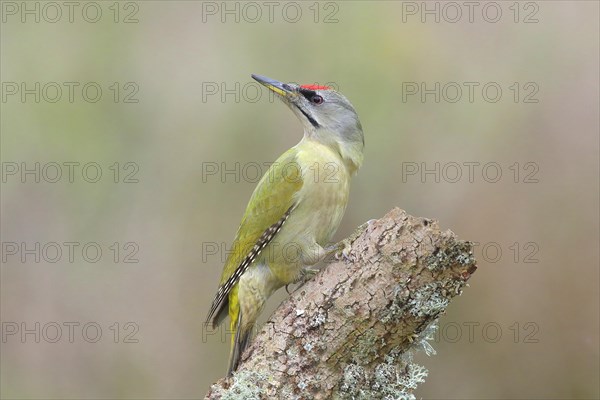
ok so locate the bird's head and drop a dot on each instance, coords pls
(327, 116)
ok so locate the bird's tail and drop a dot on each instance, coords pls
(239, 341)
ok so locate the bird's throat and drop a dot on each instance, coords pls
(310, 119)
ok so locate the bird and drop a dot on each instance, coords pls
(294, 211)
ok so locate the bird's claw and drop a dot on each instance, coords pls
(306, 274)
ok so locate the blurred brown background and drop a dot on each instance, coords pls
(178, 101)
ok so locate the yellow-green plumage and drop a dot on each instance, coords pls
(273, 196)
(292, 215)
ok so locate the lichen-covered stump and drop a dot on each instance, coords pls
(349, 333)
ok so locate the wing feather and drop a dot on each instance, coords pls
(268, 209)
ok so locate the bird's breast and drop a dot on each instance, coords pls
(323, 197)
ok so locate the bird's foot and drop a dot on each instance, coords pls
(332, 251)
(306, 274)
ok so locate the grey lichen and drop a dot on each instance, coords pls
(413, 376)
(465, 258)
(318, 319)
(394, 379)
(354, 383)
(397, 306)
(386, 381)
(459, 252)
(302, 385)
(423, 339)
(427, 300)
(246, 385)
(392, 384)
(365, 347)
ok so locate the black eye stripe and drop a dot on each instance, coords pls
(308, 117)
(307, 93)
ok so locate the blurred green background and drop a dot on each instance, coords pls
(528, 327)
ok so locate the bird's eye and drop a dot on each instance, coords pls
(316, 99)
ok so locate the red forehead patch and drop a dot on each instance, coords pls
(315, 87)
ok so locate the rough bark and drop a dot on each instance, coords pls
(349, 333)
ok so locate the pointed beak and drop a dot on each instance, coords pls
(282, 89)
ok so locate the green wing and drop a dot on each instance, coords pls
(269, 207)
